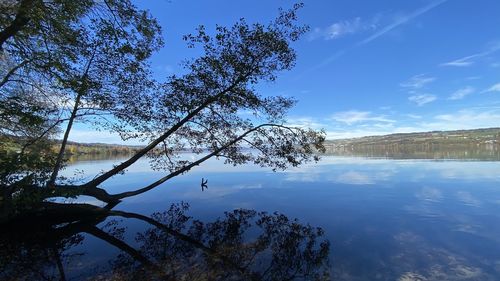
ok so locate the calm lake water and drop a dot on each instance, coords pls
(383, 219)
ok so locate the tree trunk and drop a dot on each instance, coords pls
(100, 179)
(60, 155)
(80, 91)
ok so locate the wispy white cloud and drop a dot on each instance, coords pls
(422, 99)
(402, 20)
(466, 119)
(472, 118)
(342, 28)
(305, 122)
(353, 116)
(471, 59)
(430, 194)
(339, 29)
(417, 82)
(494, 88)
(354, 177)
(461, 93)
(468, 199)
(465, 61)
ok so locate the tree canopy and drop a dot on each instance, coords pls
(88, 61)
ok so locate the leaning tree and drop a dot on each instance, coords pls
(88, 61)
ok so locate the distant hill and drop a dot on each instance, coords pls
(476, 136)
(480, 144)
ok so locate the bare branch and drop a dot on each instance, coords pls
(81, 92)
(94, 231)
(193, 164)
(12, 72)
(98, 180)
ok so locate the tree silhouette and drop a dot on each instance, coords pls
(94, 60)
(241, 245)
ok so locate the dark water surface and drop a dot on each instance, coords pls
(380, 219)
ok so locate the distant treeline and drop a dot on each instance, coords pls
(10, 144)
(464, 144)
(74, 148)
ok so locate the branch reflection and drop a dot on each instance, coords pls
(241, 245)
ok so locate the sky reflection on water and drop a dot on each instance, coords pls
(385, 219)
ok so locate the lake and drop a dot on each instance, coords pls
(380, 219)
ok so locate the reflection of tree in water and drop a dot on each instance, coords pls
(470, 151)
(35, 253)
(242, 245)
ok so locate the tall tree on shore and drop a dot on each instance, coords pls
(97, 58)
(76, 61)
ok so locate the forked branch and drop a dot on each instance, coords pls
(193, 164)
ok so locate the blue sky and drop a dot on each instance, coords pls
(366, 67)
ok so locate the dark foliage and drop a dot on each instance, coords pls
(242, 245)
(87, 61)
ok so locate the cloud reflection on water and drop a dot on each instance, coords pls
(346, 170)
(429, 219)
